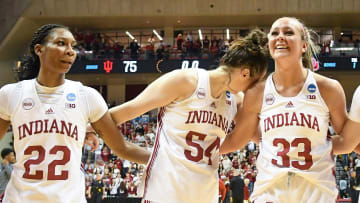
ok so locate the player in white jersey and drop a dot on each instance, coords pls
(49, 116)
(294, 107)
(196, 111)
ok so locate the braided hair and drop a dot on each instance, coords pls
(30, 64)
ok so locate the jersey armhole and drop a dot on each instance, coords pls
(85, 108)
(17, 95)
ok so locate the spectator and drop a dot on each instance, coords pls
(222, 191)
(227, 164)
(354, 194)
(179, 41)
(114, 187)
(237, 188)
(132, 190)
(97, 190)
(343, 187)
(206, 43)
(105, 154)
(246, 191)
(122, 191)
(134, 47)
(8, 159)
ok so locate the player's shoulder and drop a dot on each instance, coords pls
(325, 84)
(183, 81)
(11, 87)
(185, 76)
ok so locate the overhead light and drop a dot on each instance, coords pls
(342, 33)
(200, 35)
(157, 35)
(227, 34)
(129, 34)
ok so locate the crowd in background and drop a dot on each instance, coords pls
(185, 46)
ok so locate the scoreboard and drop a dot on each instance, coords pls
(109, 66)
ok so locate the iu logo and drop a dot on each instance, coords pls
(108, 65)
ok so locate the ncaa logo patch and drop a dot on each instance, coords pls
(28, 103)
(228, 94)
(269, 99)
(201, 93)
(311, 88)
(71, 97)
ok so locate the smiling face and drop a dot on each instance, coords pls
(57, 54)
(285, 39)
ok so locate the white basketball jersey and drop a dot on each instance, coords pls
(48, 140)
(295, 138)
(354, 113)
(184, 162)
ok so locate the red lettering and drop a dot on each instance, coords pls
(294, 119)
(198, 117)
(64, 126)
(304, 120)
(316, 124)
(189, 116)
(214, 119)
(75, 132)
(54, 126)
(280, 124)
(205, 116)
(38, 126)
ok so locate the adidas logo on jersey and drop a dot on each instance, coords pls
(289, 105)
(213, 105)
(49, 111)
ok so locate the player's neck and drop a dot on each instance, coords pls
(219, 80)
(50, 80)
(289, 75)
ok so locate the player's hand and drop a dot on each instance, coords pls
(92, 140)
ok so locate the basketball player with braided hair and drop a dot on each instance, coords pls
(197, 108)
(49, 115)
(293, 107)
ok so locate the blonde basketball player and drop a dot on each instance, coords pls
(49, 115)
(294, 107)
(196, 111)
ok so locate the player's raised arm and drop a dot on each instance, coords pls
(246, 119)
(174, 86)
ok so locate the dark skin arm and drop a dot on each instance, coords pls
(4, 126)
(113, 138)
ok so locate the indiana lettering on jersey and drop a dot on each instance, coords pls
(291, 119)
(48, 126)
(208, 117)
